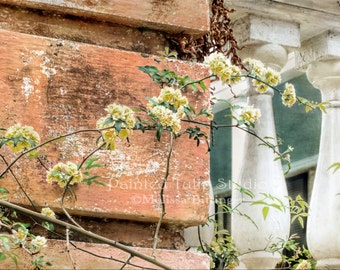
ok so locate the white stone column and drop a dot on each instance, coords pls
(323, 226)
(259, 36)
(260, 174)
(264, 38)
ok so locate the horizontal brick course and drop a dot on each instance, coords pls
(57, 254)
(174, 16)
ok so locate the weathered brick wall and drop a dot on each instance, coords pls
(62, 62)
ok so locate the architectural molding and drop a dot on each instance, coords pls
(253, 28)
(321, 47)
(314, 17)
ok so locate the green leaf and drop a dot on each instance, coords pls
(300, 219)
(6, 220)
(118, 126)
(247, 192)
(202, 85)
(108, 121)
(2, 256)
(4, 190)
(90, 179)
(265, 211)
(90, 163)
(159, 133)
(154, 102)
(99, 183)
(197, 141)
(148, 69)
(322, 107)
(48, 225)
(276, 206)
(31, 143)
(193, 87)
(5, 243)
(3, 141)
(335, 166)
(14, 258)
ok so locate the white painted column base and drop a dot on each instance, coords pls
(330, 263)
(259, 260)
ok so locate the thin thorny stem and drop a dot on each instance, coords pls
(200, 238)
(162, 214)
(127, 262)
(68, 248)
(19, 184)
(67, 186)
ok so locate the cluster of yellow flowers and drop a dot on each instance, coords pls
(250, 114)
(166, 117)
(173, 96)
(116, 112)
(61, 174)
(289, 95)
(21, 138)
(168, 108)
(263, 79)
(226, 72)
(264, 76)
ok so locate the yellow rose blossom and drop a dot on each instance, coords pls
(262, 74)
(289, 95)
(168, 108)
(250, 114)
(260, 87)
(166, 117)
(228, 74)
(304, 265)
(255, 66)
(272, 77)
(21, 138)
(46, 211)
(236, 77)
(21, 234)
(180, 112)
(39, 242)
(110, 137)
(173, 97)
(216, 62)
(124, 133)
(121, 112)
(116, 112)
(61, 173)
